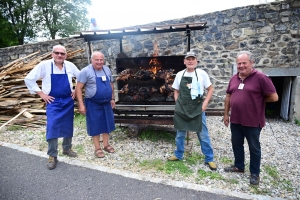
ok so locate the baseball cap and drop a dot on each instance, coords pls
(190, 54)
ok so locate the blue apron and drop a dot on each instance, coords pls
(60, 113)
(99, 113)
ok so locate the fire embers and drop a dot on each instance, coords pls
(145, 85)
(125, 75)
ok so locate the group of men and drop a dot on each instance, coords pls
(247, 93)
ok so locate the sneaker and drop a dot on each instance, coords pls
(52, 162)
(211, 165)
(233, 169)
(173, 158)
(70, 153)
(254, 179)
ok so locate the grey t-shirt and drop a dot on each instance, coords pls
(87, 77)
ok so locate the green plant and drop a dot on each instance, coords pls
(297, 122)
(14, 128)
(272, 172)
(79, 148)
(156, 135)
(194, 158)
(79, 120)
(226, 160)
(152, 164)
(172, 167)
(212, 175)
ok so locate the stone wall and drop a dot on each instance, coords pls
(269, 31)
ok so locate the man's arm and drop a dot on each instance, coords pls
(112, 102)
(271, 98)
(176, 94)
(210, 90)
(227, 109)
(81, 107)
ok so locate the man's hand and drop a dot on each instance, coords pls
(73, 94)
(48, 99)
(82, 109)
(226, 120)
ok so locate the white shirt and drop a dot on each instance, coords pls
(203, 78)
(43, 71)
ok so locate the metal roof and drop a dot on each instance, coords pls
(119, 33)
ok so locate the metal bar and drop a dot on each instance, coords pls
(188, 33)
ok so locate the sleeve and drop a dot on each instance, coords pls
(82, 76)
(30, 80)
(206, 79)
(267, 85)
(176, 83)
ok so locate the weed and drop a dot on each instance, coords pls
(171, 167)
(297, 122)
(14, 128)
(152, 164)
(212, 175)
(79, 148)
(79, 120)
(272, 172)
(232, 181)
(226, 160)
(156, 135)
(194, 158)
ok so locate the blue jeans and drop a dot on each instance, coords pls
(203, 137)
(238, 135)
(53, 144)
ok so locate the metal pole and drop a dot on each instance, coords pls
(188, 34)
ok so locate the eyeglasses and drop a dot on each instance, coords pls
(57, 53)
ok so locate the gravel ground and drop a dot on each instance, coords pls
(280, 171)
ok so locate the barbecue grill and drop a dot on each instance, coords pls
(144, 83)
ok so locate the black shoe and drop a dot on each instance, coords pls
(233, 169)
(70, 153)
(52, 162)
(254, 179)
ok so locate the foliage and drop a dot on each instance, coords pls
(297, 122)
(156, 135)
(61, 18)
(24, 20)
(19, 18)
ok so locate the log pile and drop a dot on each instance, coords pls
(14, 95)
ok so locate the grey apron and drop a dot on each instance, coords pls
(188, 112)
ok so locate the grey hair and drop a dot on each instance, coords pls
(97, 52)
(248, 53)
(58, 46)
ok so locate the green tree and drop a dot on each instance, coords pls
(8, 36)
(61, 17)
(19, 15)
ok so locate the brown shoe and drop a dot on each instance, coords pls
(70, 153)
(52, 162)
(233, 169)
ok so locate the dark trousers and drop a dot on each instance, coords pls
(53, 144)
(238, 135)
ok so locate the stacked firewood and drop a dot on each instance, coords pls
(14, 95)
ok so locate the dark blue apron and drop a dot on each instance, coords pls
(60, 113)
(99, 113)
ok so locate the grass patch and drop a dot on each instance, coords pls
(79, 120)
(14, 128)
(272, 172)
(226, 160)
(194, 158)
(202, 174)
(157, 135)
(79, 148)
(156, 164)
(297, 122)
(172, 167)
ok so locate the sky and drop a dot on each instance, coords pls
(112, 14)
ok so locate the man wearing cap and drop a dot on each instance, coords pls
(189, 85)
(94, 26)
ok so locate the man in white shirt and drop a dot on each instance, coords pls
(58, 94)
